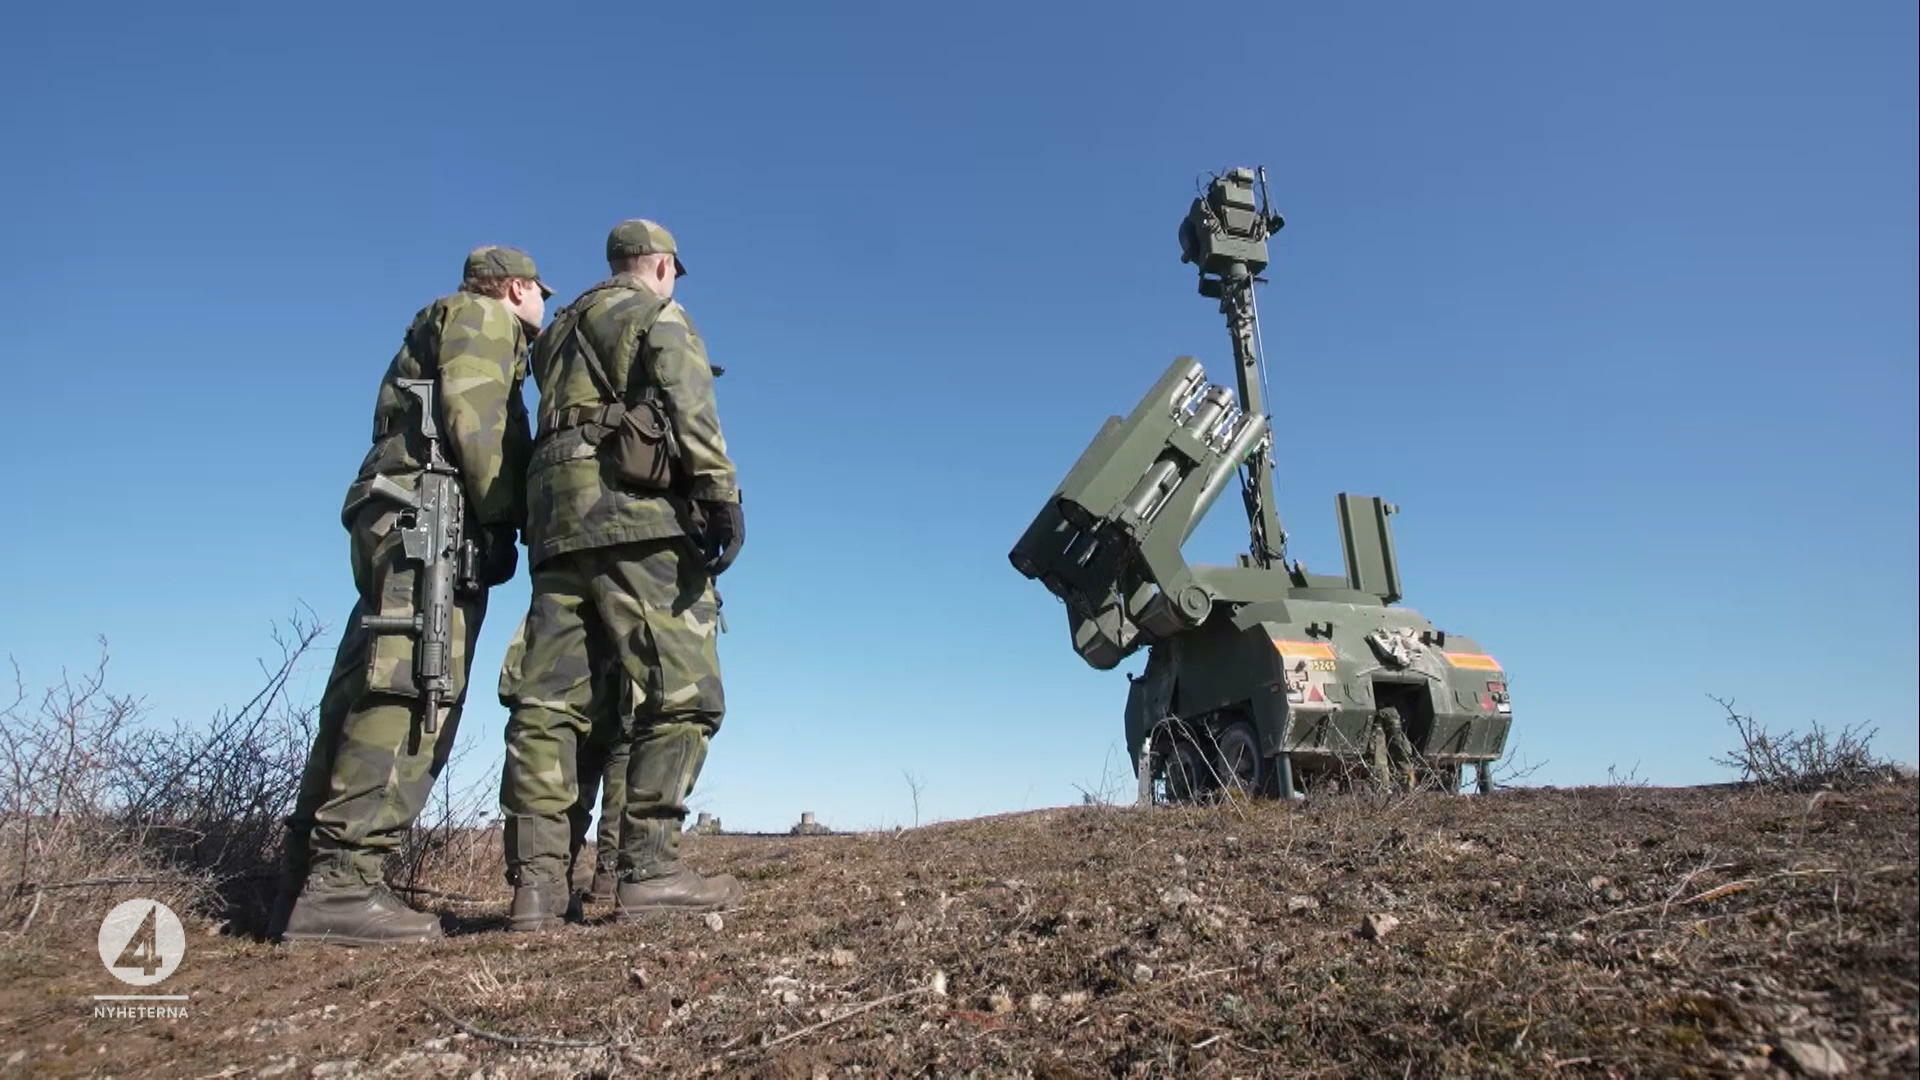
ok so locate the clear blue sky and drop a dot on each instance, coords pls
(1617, 302)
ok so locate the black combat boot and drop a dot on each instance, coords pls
(538, 907)
(680, 889)
(353, 917)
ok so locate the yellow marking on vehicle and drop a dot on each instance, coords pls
(1304, 650)
(1476, 661)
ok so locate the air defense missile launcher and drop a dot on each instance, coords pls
(1260, 676)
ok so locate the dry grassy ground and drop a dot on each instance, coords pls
(1597, 932)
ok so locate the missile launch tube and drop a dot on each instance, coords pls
(1151, 491)
(1208, 412)
(1191, 385)
(1244, 443)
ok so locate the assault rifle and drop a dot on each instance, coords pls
(432, 535)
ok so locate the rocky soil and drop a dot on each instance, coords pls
(1595, 932)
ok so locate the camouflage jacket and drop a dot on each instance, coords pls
(642, 341)
(477, 347)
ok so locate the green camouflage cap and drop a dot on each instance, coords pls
(642, 237)
(493, 261)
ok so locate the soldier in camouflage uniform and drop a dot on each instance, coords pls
(372, 764)
(623, 584)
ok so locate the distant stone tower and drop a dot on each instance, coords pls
(705, 825)
(808, 826)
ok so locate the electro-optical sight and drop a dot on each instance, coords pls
(1227, 226)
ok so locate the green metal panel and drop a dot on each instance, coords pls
(1368, 543)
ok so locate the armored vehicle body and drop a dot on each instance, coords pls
(1260, 676)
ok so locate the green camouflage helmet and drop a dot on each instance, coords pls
(639, 236)
(494, 261)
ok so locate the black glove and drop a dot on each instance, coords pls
(726, 530)
(495, 555)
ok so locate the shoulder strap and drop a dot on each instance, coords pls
(595, 370)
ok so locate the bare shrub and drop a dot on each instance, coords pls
(915, 785)
(1626, 778)
(94, 797)
(213, 797)
(1116, 782)
(1792, 761)
(1513, 770)
(58, 754)
(56, 759)
(453, 850)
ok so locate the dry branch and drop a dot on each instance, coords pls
(479, 1032)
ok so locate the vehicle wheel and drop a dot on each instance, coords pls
(1241, 764)
(1188, 776)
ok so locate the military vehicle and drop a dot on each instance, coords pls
(1261, 676)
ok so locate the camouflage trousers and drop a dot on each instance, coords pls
(371, 767)
(1392, 752)
(618, 639)
(601, 770)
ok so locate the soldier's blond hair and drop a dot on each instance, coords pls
(495, 287)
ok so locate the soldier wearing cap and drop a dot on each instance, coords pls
(620, 634)
(372, 765)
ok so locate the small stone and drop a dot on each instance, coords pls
(1038, 1003)
(1810, 1059)
(1598, 884)
(714, 922)
(840, 957)
(1612, 894)
(789, 997)
(272, 1068)
(937, 985)
(1179, 860)
(637, 978)
(1178, 897)
(329, 1070)
(1142, 973)
(1074, 999)
(1000, 1002)
(435, 1046)
(19, 1056)
(1377, 926)
(904, 925)
(1297, 905)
